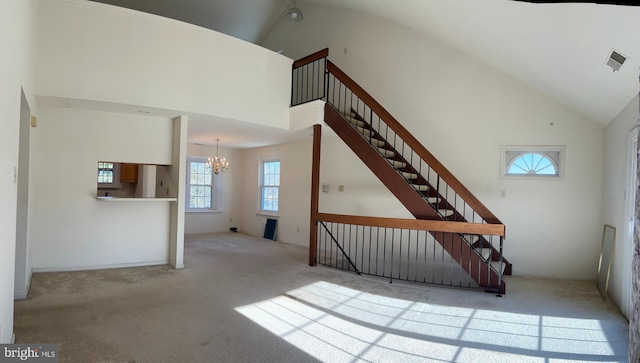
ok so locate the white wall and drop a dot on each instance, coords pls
(363, 193)
(463, 111)
(230, 196)
(73, 230)
(615, 186)
(17, 41)
(93, 51)
(295, 191)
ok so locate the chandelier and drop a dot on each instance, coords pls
(218, 163)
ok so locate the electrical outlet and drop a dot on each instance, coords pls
(503, 193)
(341, 188)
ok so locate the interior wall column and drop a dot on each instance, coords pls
(177, 173)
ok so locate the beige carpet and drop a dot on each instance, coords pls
(245, 299)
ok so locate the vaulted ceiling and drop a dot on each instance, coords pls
(557, 49)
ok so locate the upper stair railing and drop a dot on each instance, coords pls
(308, 78)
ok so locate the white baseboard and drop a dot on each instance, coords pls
(23, 295)
(99, 267)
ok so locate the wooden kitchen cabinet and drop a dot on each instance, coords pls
(129, 173)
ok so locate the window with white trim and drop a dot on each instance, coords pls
(200, 185)
(532, 161)
(269, 185)
(108, 175)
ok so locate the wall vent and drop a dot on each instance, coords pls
(615, 60)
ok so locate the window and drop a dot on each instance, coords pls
(105, 173)
(108, 175)
(269, 185)
(532, 164)
(200, 191)
(532, 161)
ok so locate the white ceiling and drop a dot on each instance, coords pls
(557, 49)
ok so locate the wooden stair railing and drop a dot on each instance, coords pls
(440, 230)
(468, 259)
(405, 135)
(425, 155)
(431, 195)
(423, 204)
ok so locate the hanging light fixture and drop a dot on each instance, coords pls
(294, 14)
(218, 163)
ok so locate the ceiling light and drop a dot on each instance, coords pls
(294, 14)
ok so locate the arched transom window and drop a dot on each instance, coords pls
(532, 161)
(532, 164)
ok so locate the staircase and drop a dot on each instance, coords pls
(419, 181)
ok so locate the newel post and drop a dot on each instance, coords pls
(315, 194)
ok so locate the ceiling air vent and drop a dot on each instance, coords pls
(615, 60)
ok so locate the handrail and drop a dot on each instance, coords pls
(416, 224)
(311, 58)
(426, 251)
(405, 135)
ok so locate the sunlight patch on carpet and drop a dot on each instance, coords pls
(337, 324)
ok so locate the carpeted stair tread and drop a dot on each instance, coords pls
(410, 176)
(352, 118)
(433, 200)
(363, 131)
(397, 164)
(421, 187)
(386, 153)
(446, 212)
(355, 122)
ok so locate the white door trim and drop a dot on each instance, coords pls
(630, 201)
